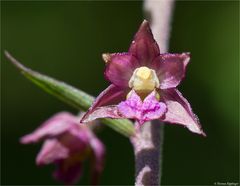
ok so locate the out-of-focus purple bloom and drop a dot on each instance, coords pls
(144, 85)
(68, 144)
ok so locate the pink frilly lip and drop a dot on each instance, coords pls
(148, 109)
(170, 70)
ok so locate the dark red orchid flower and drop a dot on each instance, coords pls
(144, 85)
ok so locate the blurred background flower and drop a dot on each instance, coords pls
(66, 40)
(68, 145)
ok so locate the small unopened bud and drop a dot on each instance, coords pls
(106, 57)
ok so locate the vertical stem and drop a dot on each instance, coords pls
(149, 139)
(147, 148)
(159, 13)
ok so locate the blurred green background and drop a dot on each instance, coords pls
(66, 39)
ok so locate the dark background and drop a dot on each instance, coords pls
(66, 39)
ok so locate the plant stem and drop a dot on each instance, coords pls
(147, 148)
(159, 13)
(148, 140)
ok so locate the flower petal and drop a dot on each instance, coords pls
(144, 47)
(52, 150)
(131, 108)
(179, 111)
(147, 110)
(98, 161)
(152, 108)
(57, 124)
(103, 112)
(102, 105)
(119, 68)
(170, 69)
(68, 172)
(76, 139)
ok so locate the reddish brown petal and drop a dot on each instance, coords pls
(103, 112)
(144, 47)
(170, 69)
(119, 68)
(103, 105)
(56, 125)
(68, 172)
(76, 139)
(98, 160)
(52, 150)
(179, 111)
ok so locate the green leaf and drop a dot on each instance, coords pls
(70, 95)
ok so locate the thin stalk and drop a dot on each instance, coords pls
(148, 140)
(147, 149)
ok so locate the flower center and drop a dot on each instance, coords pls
(144, 80)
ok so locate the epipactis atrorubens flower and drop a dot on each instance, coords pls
(68, 144)
(144, 85)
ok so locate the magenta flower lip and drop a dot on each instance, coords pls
(144, 85)
(68, 144)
